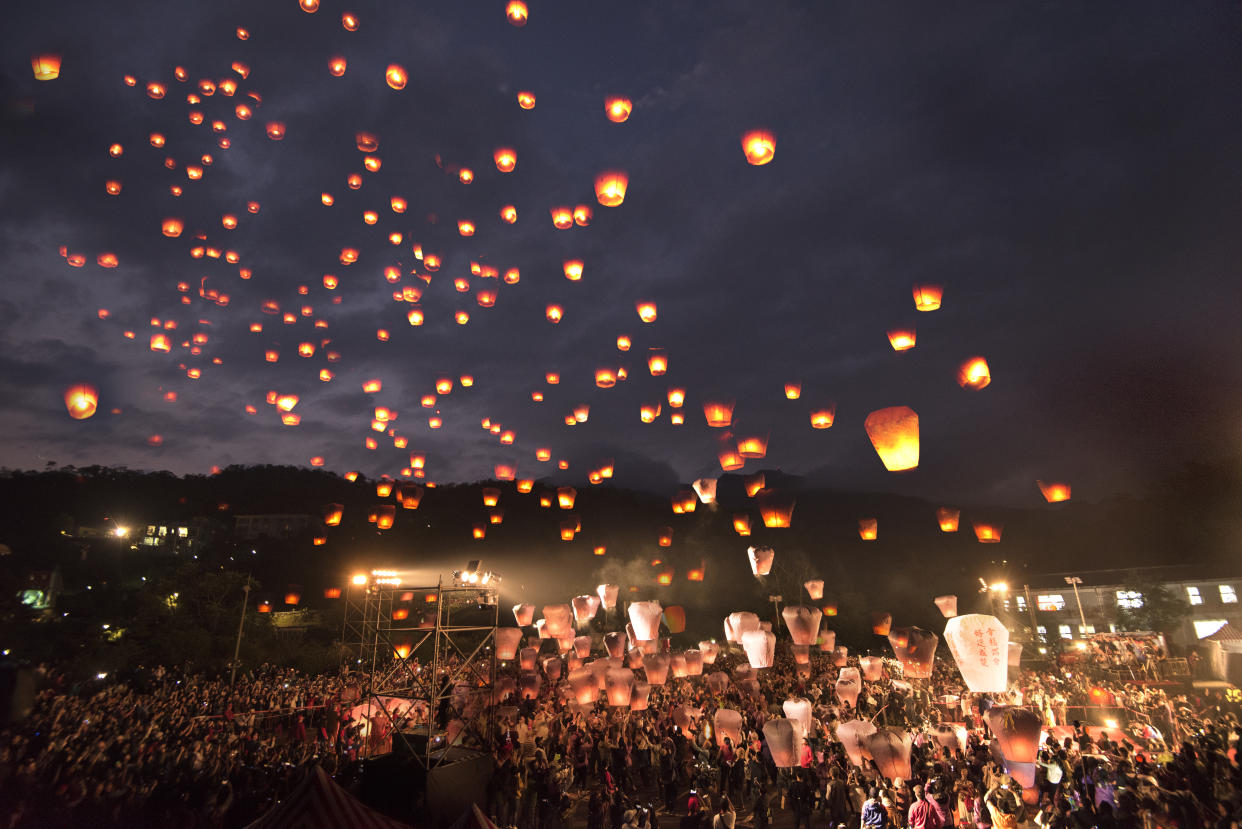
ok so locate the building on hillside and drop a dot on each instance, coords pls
(272, 525)
(1070, 606)
(179, 536)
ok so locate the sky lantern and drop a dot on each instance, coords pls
(349, 22)
(974, 374)
(276, 130)
(395, 76)
(646, 311)
(618, 109)
(927, 297)
(676, 397)
(491, 496)
(508, 214)
(619, 686)
(81, 401)
(1018, 733)
(465, 175)
(894, 433)
(753, 484)
(581, 412)
(524, 614)
(793, 391)
(465, 227)
(803, 623)
(610, 187)
(915, 649)
(172, 227)
(759, 147)
(623, 343)
(980, 646)
(562, 218)
(948, 519)
(116, 150)
(113, 187)
(705, 489)
(160, 342)
(719, 413)
(868, 528)
(776, 509)
(753, 447)
(890, 751)
(605, 378)
(332, 514)
(573, 269)
(665, 537)
(760, 560)
(505, 158)
(517, 13)
(337, 65)
(741, 524)
(814, 589)
(645, 618)
(554, 313)
(385, 514)
(901, 339)
(565, 497)
(507, 642)
(675, 619)
(760, 648)
(1054, 492)
(823, 418)
(657, 361)
(730, 460)
(987, 533)
(872, 668)
(947, 605)
(46, 66)
(526, 99)
(881, 622)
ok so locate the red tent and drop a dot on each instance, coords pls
(319, 803)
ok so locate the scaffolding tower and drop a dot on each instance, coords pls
(423, 652)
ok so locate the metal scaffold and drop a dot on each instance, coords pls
(427, 660)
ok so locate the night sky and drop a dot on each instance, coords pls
(1067, 171)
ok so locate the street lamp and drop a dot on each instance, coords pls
(1074, 581)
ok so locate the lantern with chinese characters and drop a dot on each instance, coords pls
(980, 646)
(894, 433)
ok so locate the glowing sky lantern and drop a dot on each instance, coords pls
(46, 66)
(974, 374)
(927, 297)
(645, 618)
(753, 447)
(979, 645)
(676, 397)
(507, 642)
(657, 361)
(872, 668)
(1054, 492)
(647, 311)
(775, 508)
(894, 433)
(656, 668)
(759, 146)
(554, 313)
(761, 559)
(760, 647)
(902, 339)
(705, 488)
(1018, 734)
(947, 605)
(784, 739)
(814, 589)
(868, 528)
(573, 269)
(823, 418)
(526, 99)
(610, 187)
(718, 413)
(524, 614)
(608, 595)
(793, 391)
(172, 227)
(619, 686)
(987, 533)
(623, 343)
(890, 751)
(915, 649)
(618, 109)
(585, 607)
(853, 736)
(505, 158)
(395, 76)
(275, 130)
(881, 623)
(465, 175)
(81, 401)
(803, 623)
(675, 618)
(948, 519)
(517, 13)
(605, 378)
(741, 524)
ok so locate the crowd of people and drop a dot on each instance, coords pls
(176, 748)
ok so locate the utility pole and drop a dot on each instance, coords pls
(776, 610)
(1026, 589)
(1074, 581)
(240, 626)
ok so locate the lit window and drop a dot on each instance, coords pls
(1043, 631)
(183, 532)
(1086, 630)
(1021, 602)
(1228, 595)
(1192, 593)
(1050, 601)
(1206, 627)
(1129, 599)
(1065, 632)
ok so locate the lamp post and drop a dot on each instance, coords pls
(1074, 581)
(241, 624)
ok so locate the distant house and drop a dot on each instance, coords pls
(1060, 614)
(272, 525)
(179, 536)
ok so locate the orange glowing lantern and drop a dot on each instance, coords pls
(113, 187)
(730, 460)
(759, 146)
(562, 218)
(1054, 492)
(332, 514)
(823, 418)
(927, 297)
(894, 433)
(568, 530)
(508, 214)
(648, 412)
(265, 607)
(657, 362)
(948, 519)
(526, 99)
(581, 412)
(517, 13)
(974, 374)
(665, 538)
(676, 397)
(719, 414)
(81, 401)
(868, 528)
(623, 343)
(395, 76)
(385, 514)
(505, 158)
(775, 509)
(555, 313)
(276, 130)
(902, 339)
(573, 269)
(646, 311)
(172, 227)
(336, 66)
(987, 533)
(793, 391)
(465, 175)
(565, 497)
(465, 227)
(349, 22)
(46, 67)
(753, 447)
(605, 378)
(610, 187)
(618, 109)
